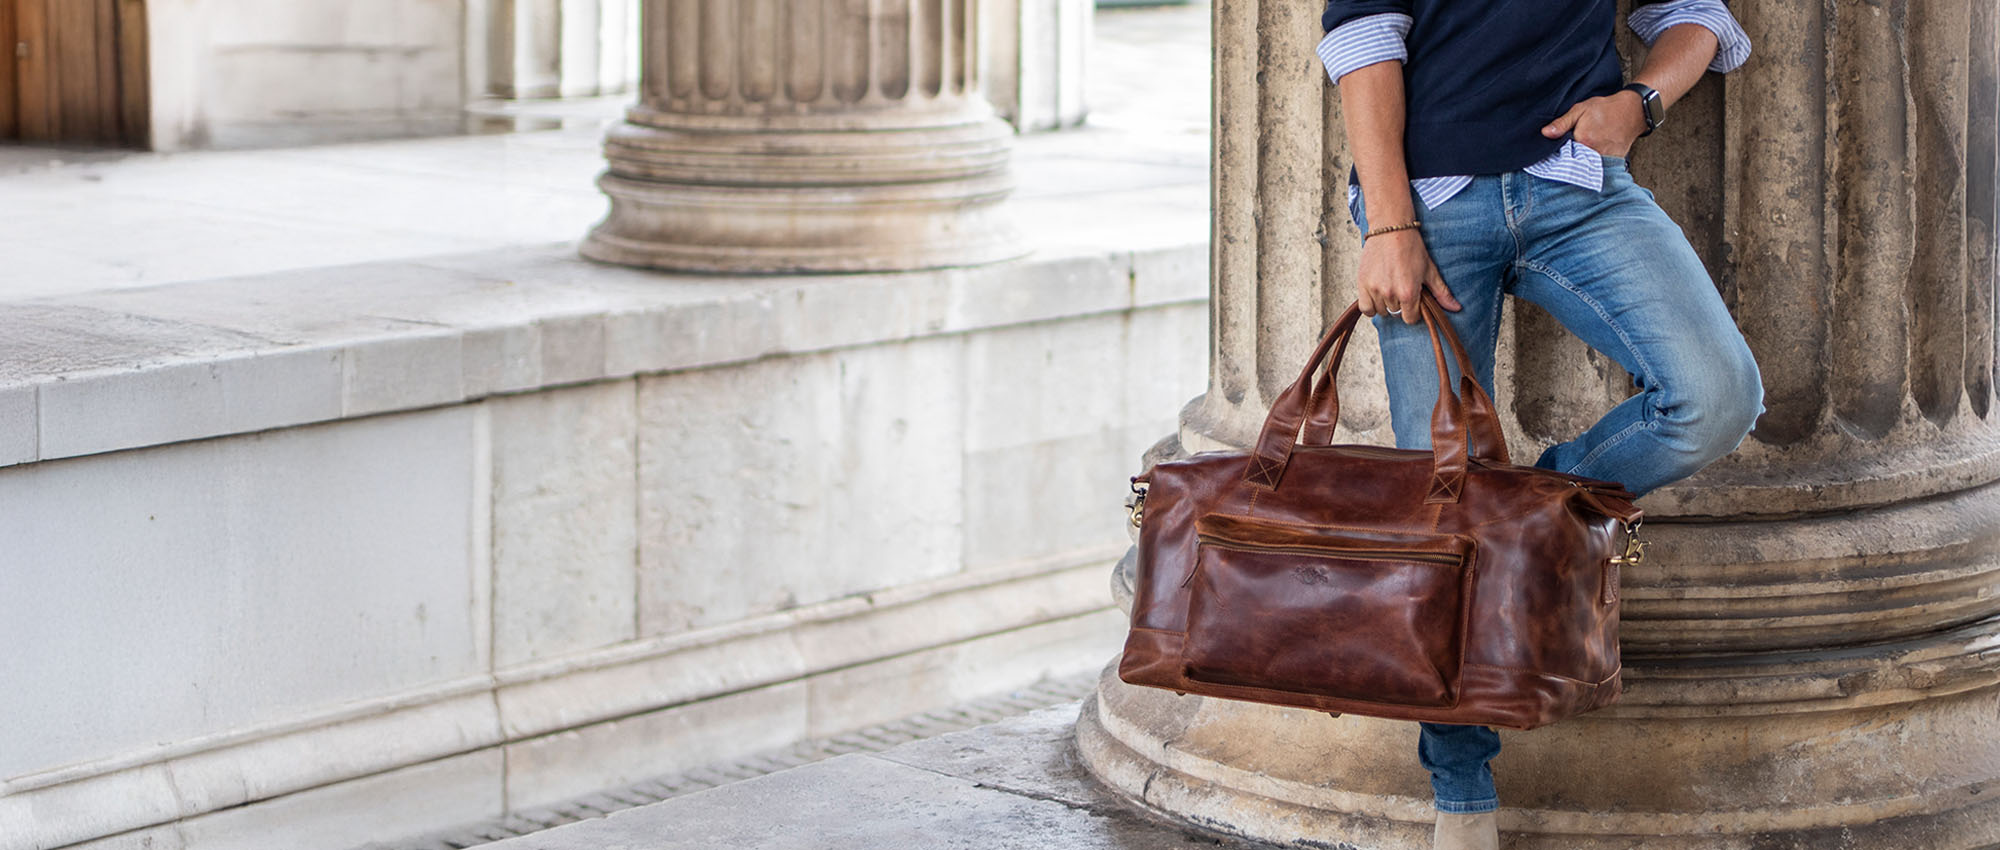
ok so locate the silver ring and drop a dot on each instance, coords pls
(1395, 312)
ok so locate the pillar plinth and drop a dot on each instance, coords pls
(1813, 647)
(816, 136)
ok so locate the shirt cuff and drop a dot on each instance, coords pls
(1649, 22)
(1364, 41)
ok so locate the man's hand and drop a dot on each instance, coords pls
(1608, 125)
(1611, 123)
(1395, 268)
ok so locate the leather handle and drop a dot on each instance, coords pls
(1488, 441)
(1459, 429)
(1273, 451)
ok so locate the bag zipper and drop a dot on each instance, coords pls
(1348, 552)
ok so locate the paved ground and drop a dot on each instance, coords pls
(73, 222)
(1058, 692)
(1013, 785)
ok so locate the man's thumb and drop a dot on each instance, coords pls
(1561, 125)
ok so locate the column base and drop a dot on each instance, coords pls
(803, 200)
(1895, 746)
(779, 230)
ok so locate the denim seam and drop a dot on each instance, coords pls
(1469, 807)
(1499, 316)
(1609, 443)
(1623, 337)
(1646, 420)
(1512, 221)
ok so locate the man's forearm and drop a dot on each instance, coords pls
(1373, 104)
(1677, 61)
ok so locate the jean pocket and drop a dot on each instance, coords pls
(1608, 159)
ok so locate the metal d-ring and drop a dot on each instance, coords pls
(1135, 506)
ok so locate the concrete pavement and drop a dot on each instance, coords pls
(1013, 785)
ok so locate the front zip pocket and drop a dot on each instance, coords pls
(1355, 613)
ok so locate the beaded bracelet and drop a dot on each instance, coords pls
(1390, 229)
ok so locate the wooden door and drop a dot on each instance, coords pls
(73, 71)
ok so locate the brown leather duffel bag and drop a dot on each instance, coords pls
(1448, 585)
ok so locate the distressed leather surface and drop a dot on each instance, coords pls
(1324, 581)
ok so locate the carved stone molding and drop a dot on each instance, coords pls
(808, 135)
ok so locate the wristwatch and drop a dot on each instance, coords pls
(1649, 102)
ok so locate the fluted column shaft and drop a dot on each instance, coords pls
(808, 135)
(1822, 603)
(1850, 228)
(556, 48)
(1853, 238)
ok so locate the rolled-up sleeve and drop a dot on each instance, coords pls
(1651, 20)
(1360, 42)
(1341, 11)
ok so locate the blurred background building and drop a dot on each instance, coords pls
(185, 74)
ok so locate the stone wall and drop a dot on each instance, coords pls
(500, 532)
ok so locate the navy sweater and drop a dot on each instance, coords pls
(1484, 77)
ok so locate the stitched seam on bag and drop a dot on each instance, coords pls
(1440, 487)
(1260, 472)
(1161, 631)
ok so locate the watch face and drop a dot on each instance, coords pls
(1649, 102)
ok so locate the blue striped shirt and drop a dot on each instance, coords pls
(1380, 38)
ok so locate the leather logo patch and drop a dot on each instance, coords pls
(1311, 575)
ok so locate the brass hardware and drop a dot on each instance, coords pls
(1135, 505)
(1635, 549)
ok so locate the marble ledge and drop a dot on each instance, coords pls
(124, 369)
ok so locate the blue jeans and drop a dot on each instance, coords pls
(1618, 273)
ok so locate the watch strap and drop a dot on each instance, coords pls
(1649, 106)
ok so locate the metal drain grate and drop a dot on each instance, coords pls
(1044, 694)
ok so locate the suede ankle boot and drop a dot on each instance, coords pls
(1466, 832)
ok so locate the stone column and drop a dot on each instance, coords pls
(539, 49)
(523, 54)
(1813, 648)
(808, 136)
(1039, 60)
